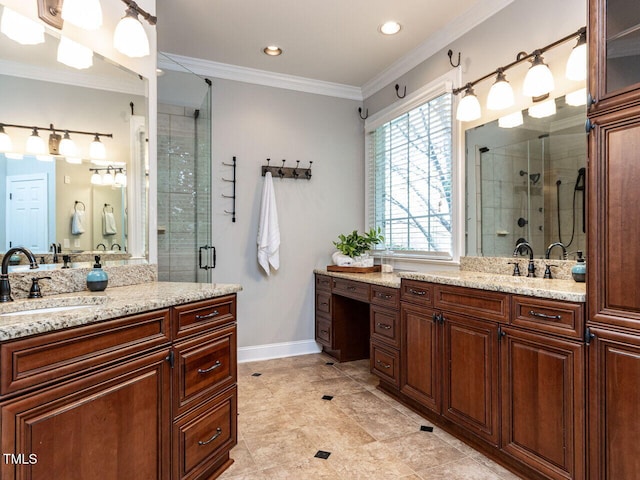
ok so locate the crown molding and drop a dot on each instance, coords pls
(255, 76)
(439, 40)
(78, 79)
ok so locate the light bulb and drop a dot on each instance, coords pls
(577, 98)
(107, 178)
(85, 14)
(20, 28)
(544, 109)
(74, 55)
(120, 179)
(501, 94)
(67, 147)
(6, 145)
(96, 178)
(35, 144)
(539, 79)
(97, 150)
(129, 37)
(469, 107)
(577, 62)
(512, 120)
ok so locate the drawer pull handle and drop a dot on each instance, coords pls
(325, 332)
(215, 313)
(544, 315)
(216, 435)
(384, 365)
(324, 303)
(352, 288)
(384, 325)
(417, 292)
(384, 295)
(211, 368)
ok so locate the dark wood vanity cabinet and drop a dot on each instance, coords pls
(613, 219)
(124, 398)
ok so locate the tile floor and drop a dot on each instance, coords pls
(284, 425)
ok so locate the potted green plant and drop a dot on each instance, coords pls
(353, 248)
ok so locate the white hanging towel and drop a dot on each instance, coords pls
(108, 223)
(77, 220)
(268, 229)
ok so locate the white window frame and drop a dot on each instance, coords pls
(439, 86)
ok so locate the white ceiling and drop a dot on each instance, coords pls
(330, 40)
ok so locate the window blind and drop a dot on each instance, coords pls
(410, 180)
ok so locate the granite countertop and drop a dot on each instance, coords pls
(112, 303)
(384, 279)
(535, 287)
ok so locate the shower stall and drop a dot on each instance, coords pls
(185, 253)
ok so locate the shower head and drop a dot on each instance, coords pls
(534, 177)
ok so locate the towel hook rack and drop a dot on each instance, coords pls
(450, 54)
(404, 92)
(366, 114)
(233, 197)
(75, 206)
(106, 206)
(287, 172)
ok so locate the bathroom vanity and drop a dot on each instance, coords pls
(136, 382)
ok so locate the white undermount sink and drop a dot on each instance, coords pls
(50, 305)
(37, 311)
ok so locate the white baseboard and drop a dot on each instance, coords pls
(277, 350)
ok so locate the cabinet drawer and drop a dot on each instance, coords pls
(385, 325)
(323, 331)
(385, 296)
(323, 282)
(476, 303)
(419, 293)
(351, 289)
(385, 363)
(323, 302)
(204, 436)
(200, 316)
(202, 366)
(561, 318)
(55, 356)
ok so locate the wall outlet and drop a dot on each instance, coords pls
(67, 179)
(76, 242)
(65, 243)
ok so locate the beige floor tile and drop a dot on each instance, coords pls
(274, 420)
(423, 450)
(372, 461)
(253, 398)
(464, 469)
(269, 450)
(502, 472)
(311, 469)
(242, 462)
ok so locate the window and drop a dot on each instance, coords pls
(411, 180)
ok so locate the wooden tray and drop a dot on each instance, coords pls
(336, 268)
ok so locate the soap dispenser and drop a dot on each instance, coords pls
(97, 278)
(579, 270)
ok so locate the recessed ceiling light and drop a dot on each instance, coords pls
(272, 50)
(390, 28)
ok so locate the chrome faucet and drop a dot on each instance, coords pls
(556, 244)
(531, 269)
(5, 287)
(104, 247)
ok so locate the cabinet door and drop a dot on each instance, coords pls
(614, 31)
(614, 396)
(614, 220)
(112, 425)
(543, 402)
(420, 365)
(470, 371)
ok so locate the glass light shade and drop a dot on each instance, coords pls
(577, 63)
(544, 109)
(35, 144)
(577, 98)
(96, 179)
(45, 158)
(20, 28)
(97, 150)
(469, 107)
(74, 160)
(120, 179)
(539, 79)
(67, 147)
(501, 94)
(512, 120)
(74, 55)
(129, 37)
(107, 178)
(6, 145)
(85, 14)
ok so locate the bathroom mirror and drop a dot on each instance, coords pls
(37, 90)
(527, 183)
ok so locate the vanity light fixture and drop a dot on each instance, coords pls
(67, 147)
(96, 149)
(86, 14)
(96, 178)
(129, 37)
(501, 94)
(20, 28)
(512, 120)
(538, 81)
(272, 50)
(543, 109)
(120, 179)
(35, 143)
(107, 177)
(6, 145)
(110, 176)
(577, 63)
(577, 98)
(390, 28)
(74, 54)
(469, 107)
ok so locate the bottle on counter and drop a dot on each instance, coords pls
(97, 278)
(579, 270)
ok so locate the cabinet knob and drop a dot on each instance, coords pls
(588, 125)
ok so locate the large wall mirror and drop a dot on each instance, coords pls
(47, 196)
(527, 183)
